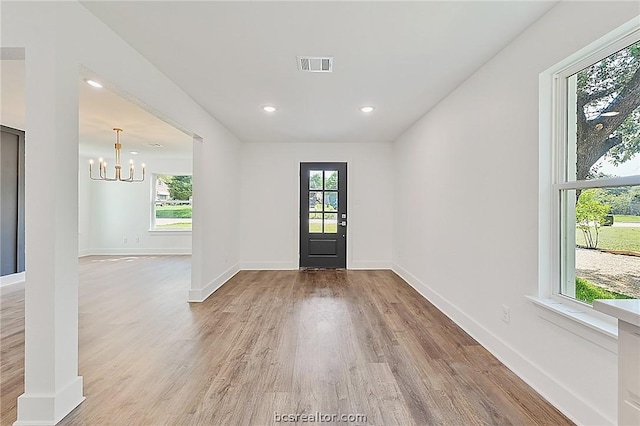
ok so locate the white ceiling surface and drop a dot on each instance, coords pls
(401, 57)
(100, 110)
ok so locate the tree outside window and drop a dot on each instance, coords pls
(599, 187)
(172, 206)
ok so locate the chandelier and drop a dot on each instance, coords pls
(102, 165)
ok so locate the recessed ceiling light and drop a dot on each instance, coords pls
(610, 114)
(269, 108)
(366, 108)
(134, 152)
(94, 83)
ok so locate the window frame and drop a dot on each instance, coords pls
(554, 102)
(152, 216)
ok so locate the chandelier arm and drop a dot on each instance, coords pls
(102, 166)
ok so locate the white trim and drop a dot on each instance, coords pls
(170, 232)
(616, 40)
(612, 42)
(599, 183)
(370, 264)
(12, 280)
(268, 266)
(200, 295)
(584, 322)
(134, 252)
(38, 409)
(291, 266)
(85, 252)
(561, 397)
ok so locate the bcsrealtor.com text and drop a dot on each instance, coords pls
(319, 417)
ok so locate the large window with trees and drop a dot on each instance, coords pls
(596, 184)
(172, 202)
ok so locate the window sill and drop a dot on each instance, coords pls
(169, 231)
(582, 322)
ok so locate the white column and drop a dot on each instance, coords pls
(52, 385)
(197, 222)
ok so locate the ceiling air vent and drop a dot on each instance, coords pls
(315, 64)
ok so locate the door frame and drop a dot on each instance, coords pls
(309, 159)
(20, 237)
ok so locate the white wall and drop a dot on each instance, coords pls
(216, 157)
(85, 208)
(111, 213)
(466, 212)
(270, 202)
(59, 38)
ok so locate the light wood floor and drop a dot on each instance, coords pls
(286, 342)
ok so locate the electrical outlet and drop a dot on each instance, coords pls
(125, 240)
(137, 240)
(506, 314)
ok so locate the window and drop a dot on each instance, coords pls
(171, 207)
(595, 173)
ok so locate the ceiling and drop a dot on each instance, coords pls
(400, 57)
(234, 57)
(100, 110)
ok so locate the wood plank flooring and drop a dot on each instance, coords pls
(267, 343)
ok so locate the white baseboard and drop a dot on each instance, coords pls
(370, 265)
(572, 406)
(86, 252)
(288, 266)
(41, 410)
(134, 252)
(200, 295)
(267, 266)
(12, 282)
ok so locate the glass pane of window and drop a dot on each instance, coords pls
(172, 202)
(330, 223)
(315, 201)
(331, 179)
(330, 201)
(603, 137)
(315, 223)
(601, 239)
(315, 179)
